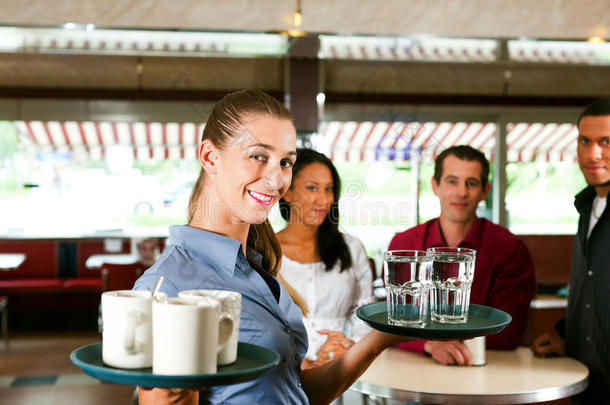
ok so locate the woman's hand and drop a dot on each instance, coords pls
(168, 396)
(336, 345)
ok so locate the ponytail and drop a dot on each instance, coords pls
(262, 238)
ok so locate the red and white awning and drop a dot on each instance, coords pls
(550, 142)
(340, 140)
(148, 140)
(374, 141)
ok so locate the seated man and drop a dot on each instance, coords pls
(504, 271)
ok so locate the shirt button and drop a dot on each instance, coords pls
(588, 305)
(590, 273)
(288, 329)
(588, 338)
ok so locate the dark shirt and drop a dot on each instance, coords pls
(587, 327)
(503, 276)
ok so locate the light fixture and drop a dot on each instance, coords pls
(298, 16)
(90, 27)
(596, 40)
(69, 26)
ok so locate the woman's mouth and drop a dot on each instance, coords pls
(264, 199)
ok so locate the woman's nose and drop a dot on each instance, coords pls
(274, 178)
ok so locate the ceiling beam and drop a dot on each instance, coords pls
(470, 18)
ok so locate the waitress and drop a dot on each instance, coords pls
(247, 152)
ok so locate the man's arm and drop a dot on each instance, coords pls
(512, 289)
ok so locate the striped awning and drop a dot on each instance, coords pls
(374, 141)
(341, 140)
(148, 140)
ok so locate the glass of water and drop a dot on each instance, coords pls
(407, 279)
(452, 275)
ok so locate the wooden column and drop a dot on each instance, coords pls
(303, 85)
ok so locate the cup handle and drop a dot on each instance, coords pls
(225, 330)
(132, 319)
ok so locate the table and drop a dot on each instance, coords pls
(546, 301)
(510, 377)
(11, 261)
(96, 261)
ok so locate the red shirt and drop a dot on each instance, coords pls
(503, 275)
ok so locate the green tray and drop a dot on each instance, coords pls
(252, 362)
(482, 321)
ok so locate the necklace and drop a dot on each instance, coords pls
(594, 211)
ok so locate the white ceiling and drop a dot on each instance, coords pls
(564, 19)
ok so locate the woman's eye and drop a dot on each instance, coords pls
(312, 188)
(287, 163)
(259, 157)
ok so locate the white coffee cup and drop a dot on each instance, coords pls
(476, 346)
(231, 304)
(127, 328)
(188, 334)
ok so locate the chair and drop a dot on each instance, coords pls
(120, 276)
(4, 314)
(379, 291)
(373, 269)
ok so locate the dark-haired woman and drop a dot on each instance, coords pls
(329, 269)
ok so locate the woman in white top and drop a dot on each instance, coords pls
(329, 269)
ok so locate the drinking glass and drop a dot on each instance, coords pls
(452, 275)
(408, 280)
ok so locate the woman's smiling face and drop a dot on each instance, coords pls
(255, 169)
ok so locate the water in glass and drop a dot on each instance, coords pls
(408, 283)
(452, 277)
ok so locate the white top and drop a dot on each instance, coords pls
(599, 205)
(332, 296)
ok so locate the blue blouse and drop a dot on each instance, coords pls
(198, 259)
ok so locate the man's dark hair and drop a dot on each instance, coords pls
(596, 108)
(463, 152)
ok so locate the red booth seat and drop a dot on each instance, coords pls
(37, 285)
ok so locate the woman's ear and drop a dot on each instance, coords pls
(208, 157)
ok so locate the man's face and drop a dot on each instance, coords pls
(594, 150)
(460, 190)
